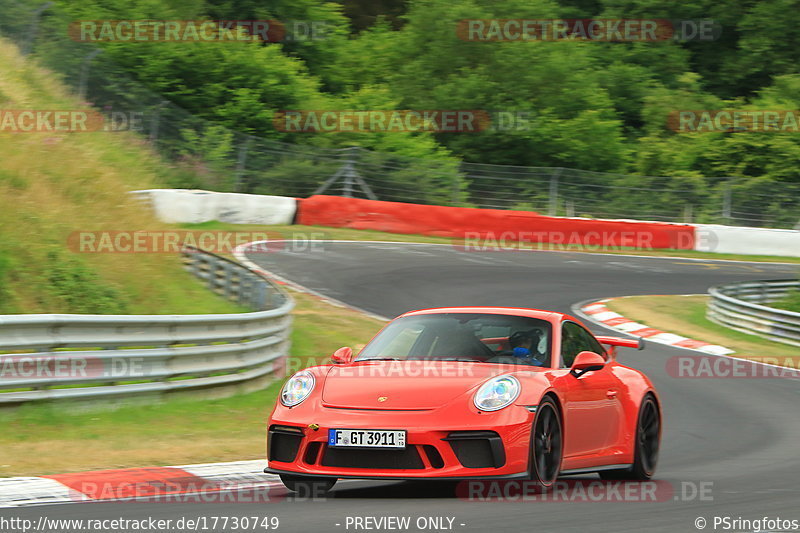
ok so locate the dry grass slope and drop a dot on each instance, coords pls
(52, 184)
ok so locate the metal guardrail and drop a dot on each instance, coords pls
(739, 306)
(111, 357)
(233, 281)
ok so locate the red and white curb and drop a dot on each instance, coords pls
(601, 314)
(214, 481)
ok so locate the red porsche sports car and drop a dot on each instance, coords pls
(468, 393)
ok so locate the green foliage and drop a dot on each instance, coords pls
(768, 34)
(595, 106)
(76, 288)
(6, 266)
(288, 174)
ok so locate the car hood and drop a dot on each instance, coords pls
(404, 385)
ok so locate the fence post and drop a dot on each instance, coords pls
(155, 120)
(456, 190)
(553, 209)
(687, 213)
(351, 176)
(726, 201)
(84, 77)
(241, 164)
(347, 186)
(27, 46)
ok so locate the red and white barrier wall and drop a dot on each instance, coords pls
(470, 224)
(195, 206)
(463, 222)
(750, 241)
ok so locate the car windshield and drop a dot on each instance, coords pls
(473, 337)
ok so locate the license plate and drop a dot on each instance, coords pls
(367, 438)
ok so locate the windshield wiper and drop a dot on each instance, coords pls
(377, 359)
(456, 359)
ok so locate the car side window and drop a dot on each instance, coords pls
(594, 345)
(569, 344)
(574, 340)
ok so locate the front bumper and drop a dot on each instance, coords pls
(439, 445)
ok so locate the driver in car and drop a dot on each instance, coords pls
(522, 345)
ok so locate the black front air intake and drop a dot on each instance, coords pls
(312, 452)
(434, 457)
(477, 449)
(378, 459)
(284, 441)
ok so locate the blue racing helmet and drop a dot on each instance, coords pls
(518, 338)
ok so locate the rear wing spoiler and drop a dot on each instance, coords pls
(637, 343)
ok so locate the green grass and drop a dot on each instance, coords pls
(790, 302)
(327, 233)
(686, 315)
(696, 313)
(55, 184)
(49, 438)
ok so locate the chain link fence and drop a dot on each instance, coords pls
(209, 155)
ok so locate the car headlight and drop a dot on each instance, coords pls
(497, 393)
(297, 388)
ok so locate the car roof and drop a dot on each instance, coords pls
(550, 316)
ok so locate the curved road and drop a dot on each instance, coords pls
(737, 438)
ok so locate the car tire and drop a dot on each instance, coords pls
(308, 486)
(648, 441)
(547, 443)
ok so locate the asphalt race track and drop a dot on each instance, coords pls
(738, 437)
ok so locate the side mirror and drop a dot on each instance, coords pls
(587, 362)
(342, 356)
